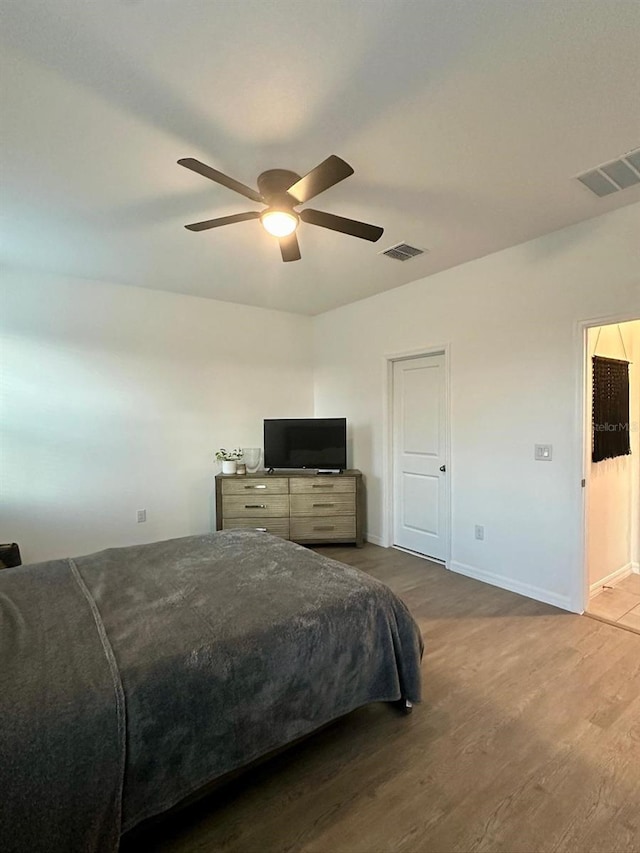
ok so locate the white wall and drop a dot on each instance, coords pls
(115, 398)
(612, 505)
(511, 320)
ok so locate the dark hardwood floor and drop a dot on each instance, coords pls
(528, 740)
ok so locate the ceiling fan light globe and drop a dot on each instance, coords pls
(279, 223)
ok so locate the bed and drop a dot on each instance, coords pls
(132, 677)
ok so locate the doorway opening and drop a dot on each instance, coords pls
(418, 518)
(612, 473)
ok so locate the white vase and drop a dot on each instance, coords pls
(251, 456)
(229, 466)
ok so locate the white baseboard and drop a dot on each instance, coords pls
(618, 575)
(528, 590)
(635, 568)
(375, 540)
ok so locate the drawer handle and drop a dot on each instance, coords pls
(255, 506)
(324, 527)
(261, 529)
(324, 505)
(322, 486)
(256, 487)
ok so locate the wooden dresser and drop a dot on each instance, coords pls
(302, 506)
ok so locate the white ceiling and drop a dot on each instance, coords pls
(465, 122)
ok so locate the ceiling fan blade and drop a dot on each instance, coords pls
(223, 220)
(289, 248)
(220, 178)
(331, 171)
(339, 223)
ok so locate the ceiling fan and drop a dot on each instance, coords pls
(282, 191)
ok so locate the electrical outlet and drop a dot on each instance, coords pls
(142, 515)
(480, 531)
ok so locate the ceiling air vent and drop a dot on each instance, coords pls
(402, 252)
(614, 176)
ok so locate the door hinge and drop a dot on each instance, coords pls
(583, 483)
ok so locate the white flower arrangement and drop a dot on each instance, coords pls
(223, 455)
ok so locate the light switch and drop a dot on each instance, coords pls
(543, 452)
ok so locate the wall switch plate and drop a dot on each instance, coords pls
(479, 531)
(142, 515)
(543, 452)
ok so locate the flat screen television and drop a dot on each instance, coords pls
(306, 443)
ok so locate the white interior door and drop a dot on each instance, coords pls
(420, 503)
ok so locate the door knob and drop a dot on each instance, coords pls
(443, 468)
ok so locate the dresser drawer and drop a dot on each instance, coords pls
(256, 486)
(323, 485)
(255, 506)
(323, 504)
(276, 526)
(316, 529)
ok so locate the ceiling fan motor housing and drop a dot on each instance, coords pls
(273, 185)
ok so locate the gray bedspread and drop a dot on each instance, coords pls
(217, 649)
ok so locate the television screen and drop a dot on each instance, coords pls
(306, 443)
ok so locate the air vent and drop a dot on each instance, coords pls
(614, 176)
(402, 252)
